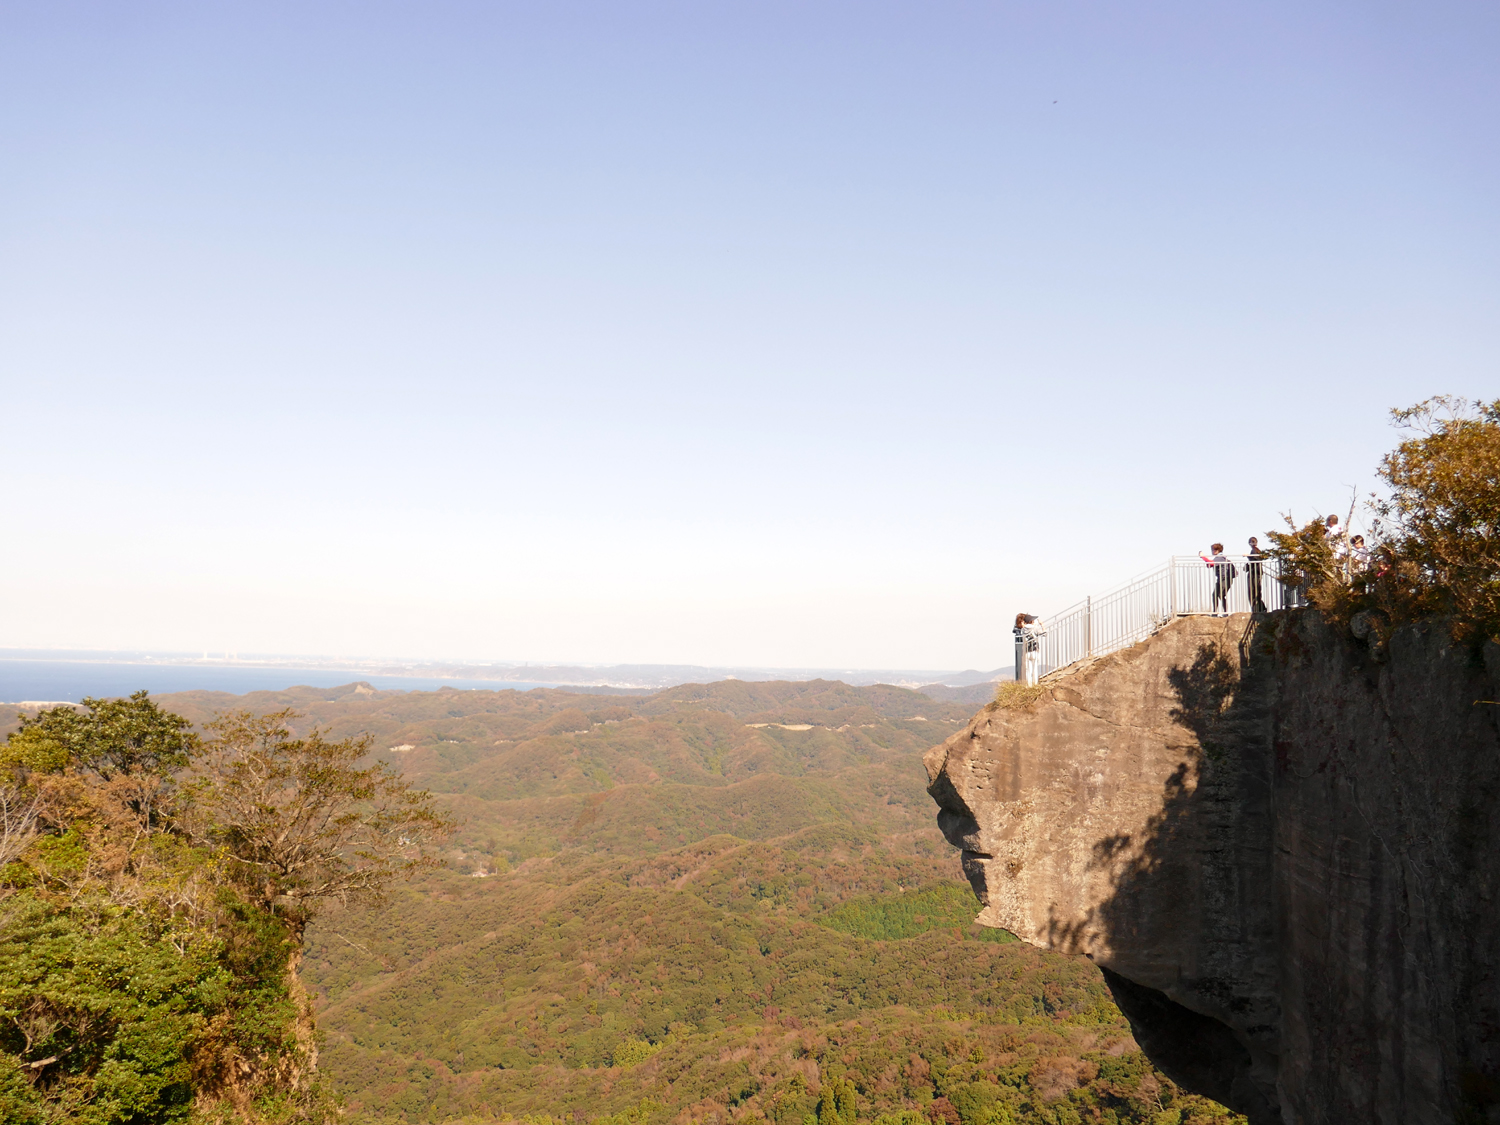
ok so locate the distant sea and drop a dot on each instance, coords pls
(57, 681)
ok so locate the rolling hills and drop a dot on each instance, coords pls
(723, 902)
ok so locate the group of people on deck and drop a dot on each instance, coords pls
(1225, 572)
(1349, 551)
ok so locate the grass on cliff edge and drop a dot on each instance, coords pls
(1012, 696)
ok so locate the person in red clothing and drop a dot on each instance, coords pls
(1225, 573)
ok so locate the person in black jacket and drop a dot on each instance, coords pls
(1253, 565)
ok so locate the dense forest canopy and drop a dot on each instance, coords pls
(720, 903)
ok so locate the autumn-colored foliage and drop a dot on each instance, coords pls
(299, 821)
(1442, 518)
(147, 965)
(1435, 549)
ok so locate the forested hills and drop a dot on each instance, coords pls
(720, 903)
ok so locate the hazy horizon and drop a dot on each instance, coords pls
(794, 335)
(356, 662)
(45, 675)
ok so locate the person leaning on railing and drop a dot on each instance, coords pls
(1254, 563)
(1332, 532)
(1224, 576)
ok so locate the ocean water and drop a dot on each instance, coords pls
(57, 681)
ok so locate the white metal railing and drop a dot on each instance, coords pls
(1134, 610)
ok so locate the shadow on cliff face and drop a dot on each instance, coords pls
(1280, 846)
(1187, 852)
(1206, 695)
(1206, 690)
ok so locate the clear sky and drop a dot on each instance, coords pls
(761, 333)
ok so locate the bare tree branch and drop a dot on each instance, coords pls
(301, 821)
(20, 808)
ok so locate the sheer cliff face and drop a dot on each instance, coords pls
(1280, 851)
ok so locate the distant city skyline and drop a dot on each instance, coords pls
(813, 335)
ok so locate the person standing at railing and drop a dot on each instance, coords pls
(1346, 550)
(1224, 576)
(1335, 535)
(1028, 633)
(1357, 563)
(1254, 562)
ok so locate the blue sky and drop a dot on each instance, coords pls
(767, 333)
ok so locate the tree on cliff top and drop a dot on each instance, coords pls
(105, 737)
(1444, 511)
(300, 821)
(1440, 548)
(153, 892)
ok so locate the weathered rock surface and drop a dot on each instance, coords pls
(1280, 847)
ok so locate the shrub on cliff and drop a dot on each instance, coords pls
(148, 950)
(1443, 514)
(1439, 551)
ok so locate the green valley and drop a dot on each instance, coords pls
(717, 903)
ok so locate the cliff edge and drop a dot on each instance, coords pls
(1279, 846)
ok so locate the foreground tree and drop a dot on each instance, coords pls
(154, 889)
(301, 821)
(129, 746)
(1438, 553)
(1443, 515)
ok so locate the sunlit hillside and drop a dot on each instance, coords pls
(717, 903)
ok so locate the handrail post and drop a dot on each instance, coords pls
(1171, 586)
(1088, 625)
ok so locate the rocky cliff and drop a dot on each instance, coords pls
(1278, 844)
